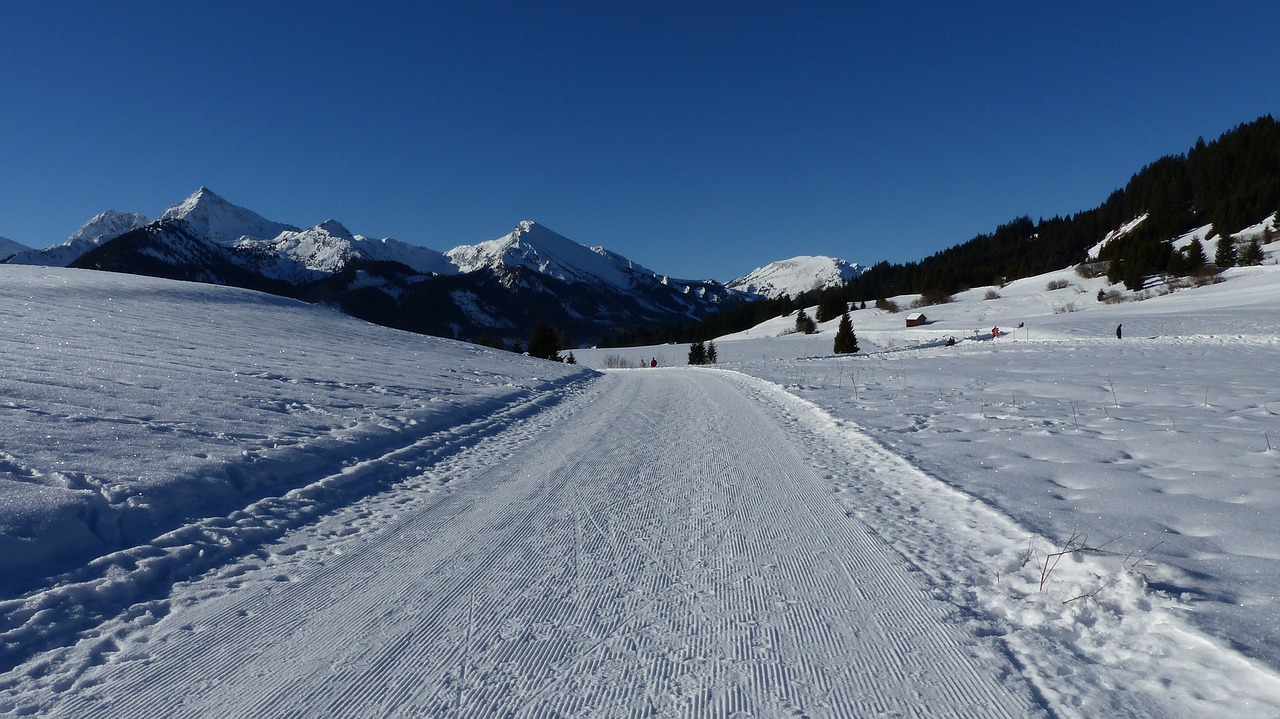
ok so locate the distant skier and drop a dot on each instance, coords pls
(1118, 331)
(653, 362)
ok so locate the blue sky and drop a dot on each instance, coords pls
(700, 139)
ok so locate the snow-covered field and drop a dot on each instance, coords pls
(219, 503)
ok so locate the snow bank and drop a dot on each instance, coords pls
(131, 406)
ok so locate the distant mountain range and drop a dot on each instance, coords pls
(493, 292)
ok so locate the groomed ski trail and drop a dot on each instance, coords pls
(659, 544)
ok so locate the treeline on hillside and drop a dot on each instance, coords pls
(1231, 183)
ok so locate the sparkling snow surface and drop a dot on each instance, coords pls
(220, 503)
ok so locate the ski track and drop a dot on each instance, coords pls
(657, 544)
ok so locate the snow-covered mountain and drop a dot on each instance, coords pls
(204, 213)
(329, 247)
(8, 247)
(537, 248)
(796, 275)
(211, 217)
(101, 228)
(596, 290)
(534, 247)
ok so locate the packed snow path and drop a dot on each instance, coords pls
(660, 543)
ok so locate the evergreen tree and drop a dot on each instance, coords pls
(711, 352)
(805, 324)
(544, 342)
(1226, 253)
(846, 340)
(1196, 258)
(1134, 276)
(698, 353)
(1115, 271)
(571, 359)
(830, 305)
(1252, 253)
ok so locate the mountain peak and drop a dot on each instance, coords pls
(546, 252)
(108, 225)
(335, 228)
(211, 216)
(202, 197)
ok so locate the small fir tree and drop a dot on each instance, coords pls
(1196, 258)
(1115, 271)
(830, 305)
(805, 324)
(698, 353)
(1226, 253)
(1252, 253)
(544, 342)
(711, 352)
(1134, 276)
(846, 340)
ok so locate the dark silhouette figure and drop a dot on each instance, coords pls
(1118, 331)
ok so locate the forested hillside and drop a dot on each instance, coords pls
(1232, 183)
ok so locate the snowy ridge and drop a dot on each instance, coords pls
(9, 247)
(101, 228)
(795, 276)
(329, 246)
